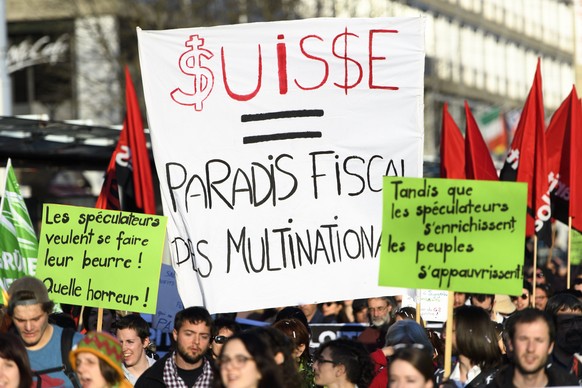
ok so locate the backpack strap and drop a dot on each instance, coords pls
(66, 346)
(38, 373)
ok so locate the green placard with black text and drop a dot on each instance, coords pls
(101, 258)
(458, 235)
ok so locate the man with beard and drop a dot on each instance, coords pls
(380, 316)
(531, 334)
(187, 365)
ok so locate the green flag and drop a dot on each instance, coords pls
(18, 241)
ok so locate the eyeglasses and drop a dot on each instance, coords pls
(381, 310)
(578, 281)
(220, 339)
(237, 361)
(329, 304)
(321, 360)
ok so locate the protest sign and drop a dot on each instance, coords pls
(433, 305)
(270, 141)
(325, 332)
(101, 258)
(575, 247)
(457, 235)
(169, 302)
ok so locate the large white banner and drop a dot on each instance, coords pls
(270, 141)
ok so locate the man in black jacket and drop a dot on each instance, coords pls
(187, 365)
(531, 333)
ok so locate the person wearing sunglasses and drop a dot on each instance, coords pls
(331, 311)
(222, 330)
(343, 363)
(247, 360)
(523, 301)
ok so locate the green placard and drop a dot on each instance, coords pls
(575, 248)
(101, 258)
(458, 235)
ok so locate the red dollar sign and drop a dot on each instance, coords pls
(345, 86)
(191, 64)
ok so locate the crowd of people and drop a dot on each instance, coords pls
(497, 341)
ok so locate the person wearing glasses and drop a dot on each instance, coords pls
(247, 360)
(411, 367)
(380, 316)
(187, 365)
(343, 363)
(542, 294)
(331, 311)
(222, 330)
(523, 301)
(487, 303)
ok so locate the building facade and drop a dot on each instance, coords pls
(66, 57)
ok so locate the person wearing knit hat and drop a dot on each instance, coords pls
(97, 361)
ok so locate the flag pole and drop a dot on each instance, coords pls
(417, 297)
(535, 268)
(569, 251)
(449, 334)
(100, 319)
(8, 164)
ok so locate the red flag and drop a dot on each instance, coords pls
(128, 181)
(478, 162)
(452, 148)
(527, 162)
(564, 143)
(109, 196)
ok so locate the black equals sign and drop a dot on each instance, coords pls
(286, 114)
